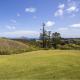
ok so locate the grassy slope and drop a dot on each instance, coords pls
(41, 65)
(10, 47)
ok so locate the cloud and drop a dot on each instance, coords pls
(61, 6)
(31, 10)
(60, 10)
(68, 32)
(50, 23)
(21, 33)
(75, 25)
(72, 7)
(70, 35)
(63, 29)
(10, 27)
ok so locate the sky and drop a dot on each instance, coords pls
(25, 17)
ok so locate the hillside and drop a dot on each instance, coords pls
(8, 46)
(41, 65)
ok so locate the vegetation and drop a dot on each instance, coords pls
(47, 41)
(8, 46)
(45, 64)
(29, 42)
(41, 65)
(56, 39)
(50, 40)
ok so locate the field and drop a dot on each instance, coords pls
(41, 65)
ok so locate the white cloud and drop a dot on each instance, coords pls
(50, 23)
(72, 9)
(10, 27)
(63, 29)
(75, 25)
(60, 10)
(73, 6)
(70, 35)
(61, 6)
(21, 33)
(69, 32)
(31, 10)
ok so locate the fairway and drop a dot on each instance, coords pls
(41, 65)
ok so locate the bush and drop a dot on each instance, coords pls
(69, 47)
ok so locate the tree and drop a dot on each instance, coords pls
(43, 36)
(49, 39)
(56, 39)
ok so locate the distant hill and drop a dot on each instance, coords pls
(27, 41)
(8, 46)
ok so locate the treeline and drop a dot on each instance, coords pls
(54, 40)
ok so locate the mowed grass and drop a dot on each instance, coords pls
(41, 65)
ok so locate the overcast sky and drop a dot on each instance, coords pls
(25, 17)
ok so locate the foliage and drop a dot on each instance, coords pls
(69, 47)
(47, 40)
(56, 39)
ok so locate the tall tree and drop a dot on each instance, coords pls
(43, 36)
(49, 39)
(56, 39)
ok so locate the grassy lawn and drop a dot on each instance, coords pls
(41, 65)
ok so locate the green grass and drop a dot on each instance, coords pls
(41, 65)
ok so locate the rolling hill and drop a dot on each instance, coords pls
(8, 46)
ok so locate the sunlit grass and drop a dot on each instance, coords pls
(41, 65)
